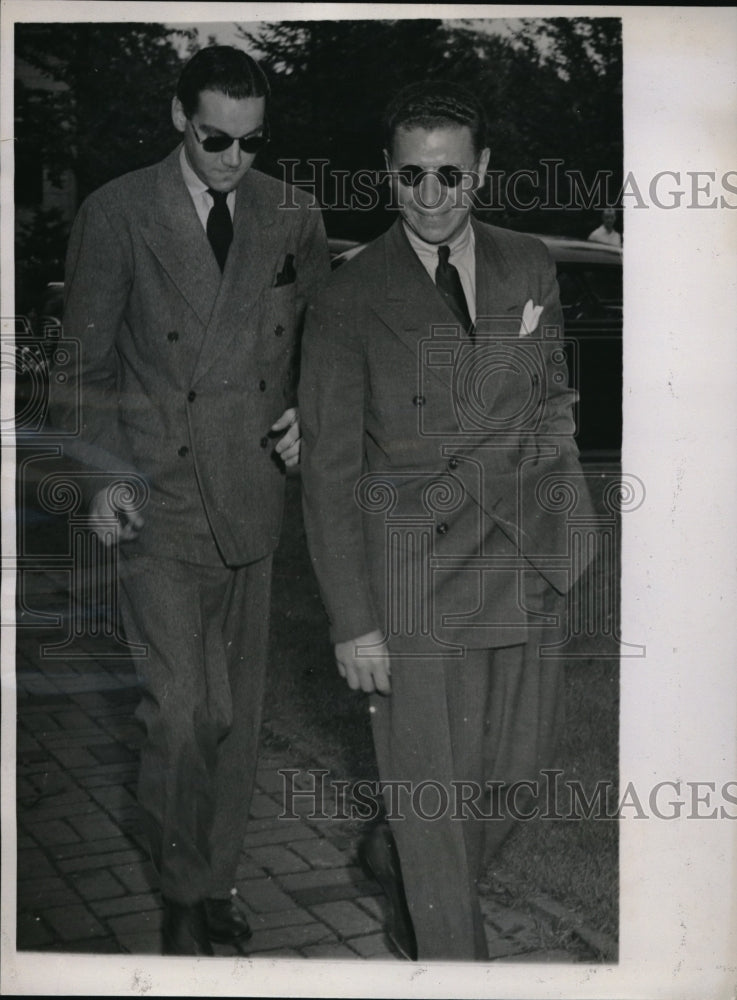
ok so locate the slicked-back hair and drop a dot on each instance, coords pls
(434, 104)
(224, 69)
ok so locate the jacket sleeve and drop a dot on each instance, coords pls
(332, 398)
(550, 484)
(313, 269)
(84, 402)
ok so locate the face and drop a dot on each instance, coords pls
(608, 219)
(219, 115)
(434, 210)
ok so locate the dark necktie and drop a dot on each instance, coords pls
(219, 226)
(449, 285)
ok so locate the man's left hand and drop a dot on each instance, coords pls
(287, 447)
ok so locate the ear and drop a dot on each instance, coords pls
(178, 116)
(484, 156)
(387, 161)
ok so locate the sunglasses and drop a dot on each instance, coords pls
(219, 143)
(412, 175)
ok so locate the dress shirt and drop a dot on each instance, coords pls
(202, 201)
(462, 256)
(604, 235)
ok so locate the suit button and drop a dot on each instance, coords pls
(192, 396)
(264, 442)
(184, 450)
(262, 385)
(278, 330)
(419, 401)
(172, 335)
(452, 463)
(442, 528)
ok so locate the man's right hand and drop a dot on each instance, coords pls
(127, 522)
(365, 669)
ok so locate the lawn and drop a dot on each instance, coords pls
(573, 861)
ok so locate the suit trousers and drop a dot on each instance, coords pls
(492, 715)
(202, 680)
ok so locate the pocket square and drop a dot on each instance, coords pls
(530, 318)
(287, 275)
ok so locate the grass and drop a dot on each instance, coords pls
(310, 707)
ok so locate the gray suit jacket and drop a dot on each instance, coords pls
(439, 473)
(183, 371)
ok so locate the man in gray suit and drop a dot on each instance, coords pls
(185, 285)
(438, 446)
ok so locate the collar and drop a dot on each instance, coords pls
(195, 185)
(463, 243)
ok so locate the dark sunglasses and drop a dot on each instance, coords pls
(412, 175)
(219, 143)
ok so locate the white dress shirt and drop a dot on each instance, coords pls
(202, 201)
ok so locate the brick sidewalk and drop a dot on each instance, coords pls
(84, 881)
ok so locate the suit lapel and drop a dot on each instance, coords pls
(248, 269)
(177, 237)
(412, 307)
(496, 301)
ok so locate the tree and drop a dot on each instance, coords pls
(101, 103)
(92, 99)
(552, 89)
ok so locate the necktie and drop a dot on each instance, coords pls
(449, 285)
(219, 226)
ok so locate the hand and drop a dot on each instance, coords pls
(287, 447)
(365, 669)
(127, 522)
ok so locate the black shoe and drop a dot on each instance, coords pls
(184, 930)
(378, 853)
(226, 920)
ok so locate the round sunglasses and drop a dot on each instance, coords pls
(219, 143)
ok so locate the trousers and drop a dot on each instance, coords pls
(202, 684)
(492, 715)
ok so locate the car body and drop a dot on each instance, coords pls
(590, 281)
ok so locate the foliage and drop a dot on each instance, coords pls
(100, 101)
(39, 249)
(552, 90)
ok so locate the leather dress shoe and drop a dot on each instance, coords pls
(378, 854)
(226, 920)
(184, 929)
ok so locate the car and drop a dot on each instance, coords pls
(590, 281)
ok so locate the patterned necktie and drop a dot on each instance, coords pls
(449, 285)
(219, 226)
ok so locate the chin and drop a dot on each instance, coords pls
(440, 233)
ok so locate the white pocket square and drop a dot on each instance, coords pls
(530, 318)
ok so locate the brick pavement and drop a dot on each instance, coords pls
(85, 883)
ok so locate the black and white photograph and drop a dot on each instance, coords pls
(368, 409)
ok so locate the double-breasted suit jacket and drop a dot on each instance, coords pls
(433, 461)
(439, 473)
(183, 370)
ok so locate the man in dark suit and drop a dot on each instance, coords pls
(437, 443)
(186, 284)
